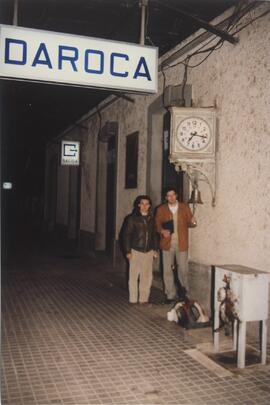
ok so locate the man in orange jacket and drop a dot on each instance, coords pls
(172, 221)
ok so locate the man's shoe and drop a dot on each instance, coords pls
(168, 301)
(146, 304)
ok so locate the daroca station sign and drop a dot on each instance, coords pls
(30, 54)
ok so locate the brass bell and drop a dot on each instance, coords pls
(195, 197)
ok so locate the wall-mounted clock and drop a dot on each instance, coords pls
(193, 144)
(193, 133)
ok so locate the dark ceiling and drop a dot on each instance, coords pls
(115, 19)
(37, 112)
(50, 108)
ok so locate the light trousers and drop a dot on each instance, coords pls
(140, 276)
(169, 257)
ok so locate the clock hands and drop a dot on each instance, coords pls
(192, 134)
(195, 134)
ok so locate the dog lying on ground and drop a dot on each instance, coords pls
(188, 314)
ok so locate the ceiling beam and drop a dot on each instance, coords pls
(203, 24)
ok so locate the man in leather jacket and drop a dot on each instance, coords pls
(140, 246)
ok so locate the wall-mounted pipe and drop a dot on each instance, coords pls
(15, 12)
(143, 5)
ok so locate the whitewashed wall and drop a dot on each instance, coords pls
(134, 118)
(131, 117)
(235, 79)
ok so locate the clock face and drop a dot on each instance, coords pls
(193, 133)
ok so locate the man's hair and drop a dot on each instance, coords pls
(170, 188)
(138, 200)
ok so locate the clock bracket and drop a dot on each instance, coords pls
(200, 171)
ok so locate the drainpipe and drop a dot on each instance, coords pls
(15, 12)
(143, 5)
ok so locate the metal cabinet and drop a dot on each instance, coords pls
(249, 291)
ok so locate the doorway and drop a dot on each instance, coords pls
(111, 196)
(170, 178)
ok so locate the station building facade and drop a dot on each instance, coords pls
(124, 152)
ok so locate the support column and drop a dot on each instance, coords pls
(241, 347)
(263, 340)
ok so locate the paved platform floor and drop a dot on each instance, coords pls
(69, 336)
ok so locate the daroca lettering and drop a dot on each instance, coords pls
(92, 61)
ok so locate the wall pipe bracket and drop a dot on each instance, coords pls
(200, 171)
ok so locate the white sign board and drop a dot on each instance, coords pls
(30, 54)
(7, 186)
(70, 153)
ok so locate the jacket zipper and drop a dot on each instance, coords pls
(146, 240)
(146, 234)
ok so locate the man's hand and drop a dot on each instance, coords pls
(155, 254)
(165, 233)
(128, 256)
(193, 221)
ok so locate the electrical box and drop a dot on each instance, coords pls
(173, 96)
(249, 294)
